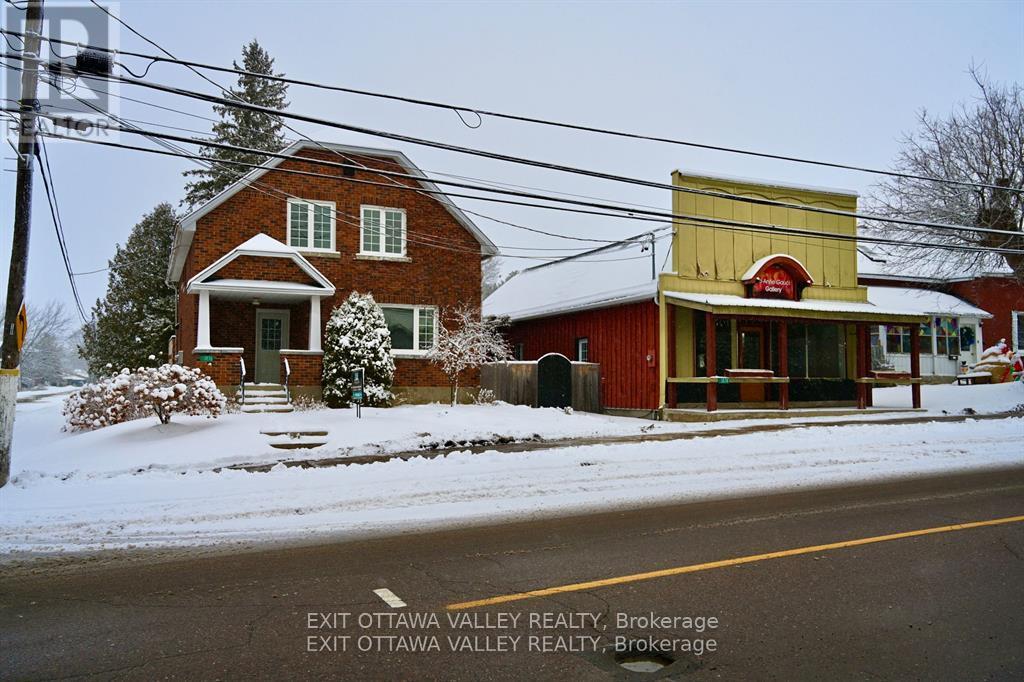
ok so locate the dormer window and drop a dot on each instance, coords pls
(311, 225)
(382, 232)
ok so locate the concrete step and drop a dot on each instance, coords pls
(295, 434)
(297, 444)
(253, 409)
(263, 387)
(261, 399)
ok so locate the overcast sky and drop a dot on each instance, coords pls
(834, 81)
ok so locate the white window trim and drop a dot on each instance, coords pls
(1015, 319)
(582, 341)
(416, 351)
(382, 253)
(309, 243)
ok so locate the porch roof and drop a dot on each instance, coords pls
(261, 246)
(727, 304)
(265, 289)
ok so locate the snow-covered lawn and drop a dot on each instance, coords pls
(85, 491)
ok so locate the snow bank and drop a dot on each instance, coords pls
(168, 509)
(143, 484)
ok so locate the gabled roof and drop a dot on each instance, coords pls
(186, 227)
(610, 275)
(924, 301)
(264, 246)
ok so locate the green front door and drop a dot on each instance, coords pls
(271, 336)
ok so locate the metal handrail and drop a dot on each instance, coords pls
(241, 378)
(287, 376)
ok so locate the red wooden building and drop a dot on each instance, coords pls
(597, 307)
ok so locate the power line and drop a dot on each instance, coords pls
(538, 164)
(417, 178)
(649, 216)
(193, 65)
(229, 92)
(58, 224)
(541, 164)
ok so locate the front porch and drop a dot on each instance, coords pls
(259, 318)
(760, 357)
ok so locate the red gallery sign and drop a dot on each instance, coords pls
(774, 282)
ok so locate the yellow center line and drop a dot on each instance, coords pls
(693, 568)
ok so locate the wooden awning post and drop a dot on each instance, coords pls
(915, 365)
(862, 387)
(671, 389)
(783, 340)
(709, 360)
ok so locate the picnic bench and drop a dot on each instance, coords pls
(971, 378)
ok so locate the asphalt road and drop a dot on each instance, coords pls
(945, 605)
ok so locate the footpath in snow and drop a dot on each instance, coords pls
(145, 485)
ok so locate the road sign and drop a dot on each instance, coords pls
(21, 326)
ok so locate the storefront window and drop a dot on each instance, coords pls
(797, 350)
(947, 336)
(897, 339)
(924, 339)
(723, 344)
(825, 350)
(817, 351)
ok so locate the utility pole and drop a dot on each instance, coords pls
(10, 353)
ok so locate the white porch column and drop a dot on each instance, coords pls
(203, 331)
(314, 323)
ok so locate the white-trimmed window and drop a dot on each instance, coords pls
(583, 349)
(1017, 329)
(413, 328)
(311, 225)
(382, 232)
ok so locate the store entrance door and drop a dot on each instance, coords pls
(752, 356)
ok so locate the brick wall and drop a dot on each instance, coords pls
(223, 369)
(307, 370)
(264, 268)
(442, 277)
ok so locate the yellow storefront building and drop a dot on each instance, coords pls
(766, 317)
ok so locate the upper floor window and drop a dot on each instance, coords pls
(311, 225)
(382, 232)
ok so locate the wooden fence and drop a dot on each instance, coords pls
(519, 383)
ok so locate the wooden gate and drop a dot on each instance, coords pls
(554, 381)
(518, 383)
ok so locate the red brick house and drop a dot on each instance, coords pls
(260, 267)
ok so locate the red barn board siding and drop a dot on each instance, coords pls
(621, 338)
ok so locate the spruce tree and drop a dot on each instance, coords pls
(241, 128)
(357, 336)
(135, 318)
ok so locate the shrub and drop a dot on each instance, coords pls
(160, 391)
(357, 336)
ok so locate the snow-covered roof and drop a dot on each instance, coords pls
(261, 245)
(186, 228)
(765, 305)
(766, 183)
(610, 275)
(924, 301)
(760, 262)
